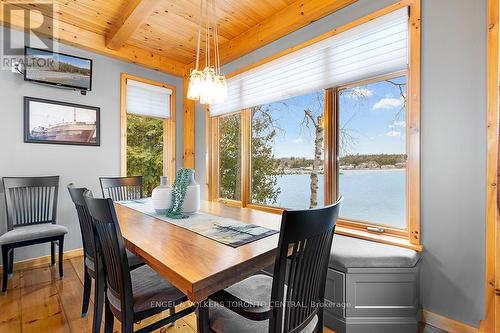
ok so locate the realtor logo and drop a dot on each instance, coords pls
(23, 24)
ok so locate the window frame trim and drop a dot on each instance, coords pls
(169, 168)
(409, 237)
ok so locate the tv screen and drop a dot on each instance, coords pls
(57, 69)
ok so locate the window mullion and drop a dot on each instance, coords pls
(330, 149)
(246, 156)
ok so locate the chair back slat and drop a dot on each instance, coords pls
(301, 265)
(112, 248)
(122, 188)
(30, 200)
(85, 221)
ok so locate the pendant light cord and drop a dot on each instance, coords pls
(207, 44)
(216, 41)
(198, 46)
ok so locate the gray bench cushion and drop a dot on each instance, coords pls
(349, 252)
(30, 232)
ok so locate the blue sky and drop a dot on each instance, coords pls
(371, 115)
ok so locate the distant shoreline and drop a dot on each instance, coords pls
(373, 169)
(307, 172)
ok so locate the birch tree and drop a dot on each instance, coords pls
(317, 125)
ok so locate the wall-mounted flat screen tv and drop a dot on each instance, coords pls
(58, 69)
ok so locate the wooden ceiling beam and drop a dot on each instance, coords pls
(137, 12)
(91, 41)
(291, 18)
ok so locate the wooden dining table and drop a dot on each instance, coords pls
(198, 266)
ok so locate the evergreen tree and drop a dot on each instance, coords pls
(145, 150)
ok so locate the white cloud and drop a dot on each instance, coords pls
(393, 133)
(298, 140)
(360, 92)
(388, 103)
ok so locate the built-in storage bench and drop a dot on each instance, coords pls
(377, 283)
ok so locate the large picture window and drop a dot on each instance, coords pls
(337, 117)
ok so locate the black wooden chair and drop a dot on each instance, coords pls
(292, 300)
(31, 205)
(131, 296)
(122, 188)
(92, 259)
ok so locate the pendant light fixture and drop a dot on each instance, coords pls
(208, 86)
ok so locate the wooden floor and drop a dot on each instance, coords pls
(37, 300)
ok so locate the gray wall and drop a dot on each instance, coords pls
(78, 164)
(453, 144)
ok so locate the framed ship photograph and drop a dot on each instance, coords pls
(47, 121)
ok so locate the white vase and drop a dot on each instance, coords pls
(162, 196)
(192, 200)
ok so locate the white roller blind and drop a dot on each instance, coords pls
(148, 100)
(370, 49)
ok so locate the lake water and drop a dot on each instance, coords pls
(369, 195)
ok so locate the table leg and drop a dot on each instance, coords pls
(202, 317)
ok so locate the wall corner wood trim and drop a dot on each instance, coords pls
(413, 130)
(445, 323)
(188, 115)
(492, 271)
(123, 125)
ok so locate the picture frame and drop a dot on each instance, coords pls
(56, 122)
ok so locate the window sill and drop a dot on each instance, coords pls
(379, 238)
(343, 227)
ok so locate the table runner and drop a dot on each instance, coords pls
(221, 229)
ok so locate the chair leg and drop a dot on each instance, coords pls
(98, 301)
(52, 253)
(87, 285)
(171, 312)
(108, 319)
(202, 317)
(319, 325)
(5, 262)
(11, 261)
(127, 326)
(61, 252)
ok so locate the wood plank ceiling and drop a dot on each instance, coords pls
(168, 28)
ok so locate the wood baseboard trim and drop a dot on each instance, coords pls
(45, 260)
(446, 324)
